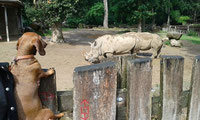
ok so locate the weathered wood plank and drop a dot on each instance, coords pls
(171, 80)
(139, 89)
(121, 104)
(194, 103)
(121, 63)
(95, 92)
(47, 92)
(124, 69)
(118, 64)
(65, 101)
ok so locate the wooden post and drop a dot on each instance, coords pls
(65, 101)
(139, 89)
(117, 60)
(171, 80)
(121, 104)
(121, 62)
(194, 103)
(124, 69)
(47, 92)
(6, 22)
(95, 92)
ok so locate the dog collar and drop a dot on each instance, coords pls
(17, 58)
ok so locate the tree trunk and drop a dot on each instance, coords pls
(168, 20)
(153, 19)
(153, 27)
(105, 22)
(168, 17)
(57, 35)
(195, 16)
(140, 25)
(34, 2)
(143, 24)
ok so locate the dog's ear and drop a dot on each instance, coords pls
(40, 45)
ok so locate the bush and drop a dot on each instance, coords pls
(167, 43)
(183, 19)
(95, 14)
(192, 33)
(175, 15)
(73, 22)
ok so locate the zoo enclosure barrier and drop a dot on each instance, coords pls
(183, 28)
(96, 95)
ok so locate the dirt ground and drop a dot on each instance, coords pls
(65, 57)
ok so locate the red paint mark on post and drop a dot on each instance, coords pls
(85, 111)
(45, 96)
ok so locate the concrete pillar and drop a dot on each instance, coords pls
(6, 22)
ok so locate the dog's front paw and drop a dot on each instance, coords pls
(51, 71)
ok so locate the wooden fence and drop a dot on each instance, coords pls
(184, 28)
(96, 96)
(120, 89)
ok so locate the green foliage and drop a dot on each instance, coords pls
(166, 6)
(49, 12)
(58, 10)
(192, 33)
(32, 14)
(167, 43)
(73, 22)
(121, 12)
(183, 19)
(95, 13)
(175, 14)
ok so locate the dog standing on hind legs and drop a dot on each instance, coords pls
(27, 73)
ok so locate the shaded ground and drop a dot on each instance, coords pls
(65, 57)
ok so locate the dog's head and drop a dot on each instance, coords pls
(30, 43)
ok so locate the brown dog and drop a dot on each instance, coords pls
(27, 72)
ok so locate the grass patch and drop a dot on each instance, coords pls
(167, 43)
(193, 39)
(66, 29)
(192, 33)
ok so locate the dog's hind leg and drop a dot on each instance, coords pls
(44, 114)
(47, 114)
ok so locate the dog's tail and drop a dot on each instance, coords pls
(56, 116)
(59, 115)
